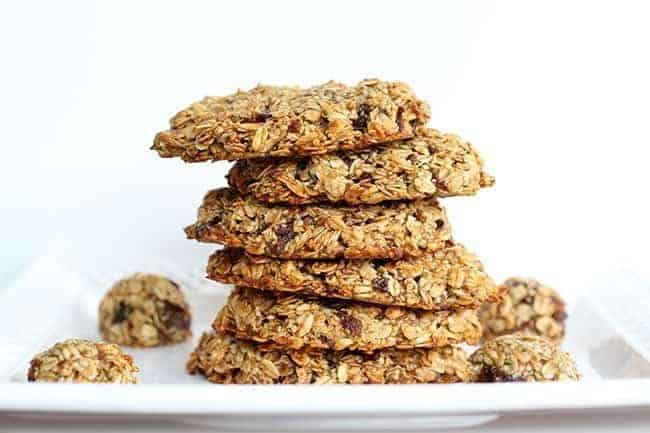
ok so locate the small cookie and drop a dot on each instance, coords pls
(290, 121)
(432, 164)
(223, 359)
(529, 308)
(294, 322)
(145, 310)
(79, 360)
(522, 358)
(448, 279)
(391, 231)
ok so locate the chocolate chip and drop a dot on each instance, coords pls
(294, 125)
(380, 283)
(350, 323)
(174, 316)
(363, 116)
(284, 233)
(123, 312)
(440, 224)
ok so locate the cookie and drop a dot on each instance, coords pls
(144, 310)
(392, 231)
(451, 278)
(223, 359)
(432, 164)
(290, 121)
(79, 360)
(529, 308)
(294, 322)
(522, 358)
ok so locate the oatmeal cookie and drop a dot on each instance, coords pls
(144, 310)
(392, 231)
(293, 322)
(223, 359)
(447, 279)
(430, 165)
(289, 121)
(528, 308)
(79, 360)
(522, 358)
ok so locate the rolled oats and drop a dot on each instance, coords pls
(79, 360)
(525, 358)
(528, 308)
(450, 278)
(144, 310)
(431, 164)
(288, 121)
(224, 359)
(293, 322)
(394, 230)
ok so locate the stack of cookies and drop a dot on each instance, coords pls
(343, 260)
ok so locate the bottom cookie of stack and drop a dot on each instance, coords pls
(225, 359)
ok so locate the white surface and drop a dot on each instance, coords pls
(554, 94)
(608, 352)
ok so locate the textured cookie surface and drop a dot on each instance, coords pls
(293, 322)
(223, 359)
(522, 358)
(79, 360)
(394, 230)
(450, 278)
(144, 310)
(429, 165)
(528, 308)
(289, 121)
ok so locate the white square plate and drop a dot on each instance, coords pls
(57, 298)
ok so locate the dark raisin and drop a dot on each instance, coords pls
(490, 373)
(33, 365)
(380, 283)
(530, 300)
(560, 316)
(294, 125)
(440, 224)
(284, 233)
(326, 340)
(350, 323)
(323, 123)
(174, 316)
(363, 116)
(123, 312)
(346, 159)
(412, 158)
(261, 117)
(400, 118)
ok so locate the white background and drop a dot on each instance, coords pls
(554, 94)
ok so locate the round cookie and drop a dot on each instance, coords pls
(144, 310)
(529, 307)
(79, 360)
(522, 358)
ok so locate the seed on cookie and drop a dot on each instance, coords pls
(529, 307)
(522, 358)
(80, 360)
(145, 310)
